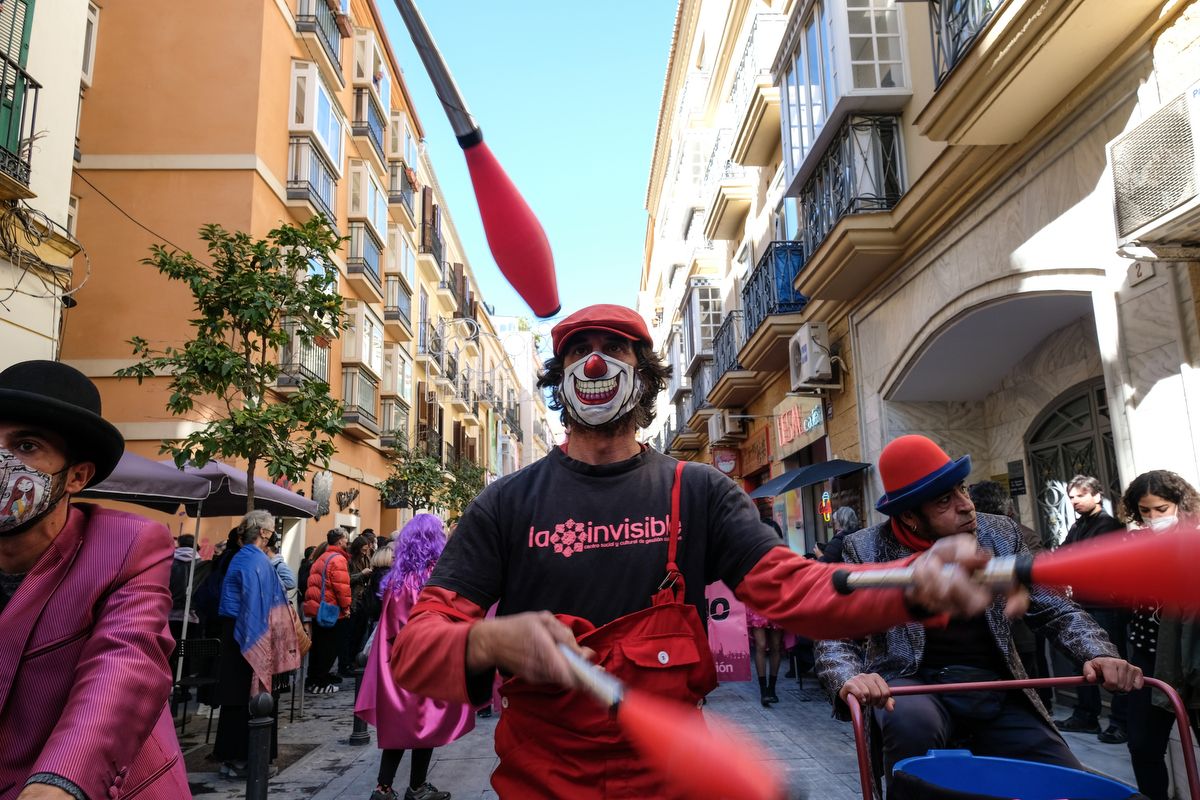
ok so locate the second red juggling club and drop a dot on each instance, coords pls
(516, 238)
(700, 758)
(1135, 568)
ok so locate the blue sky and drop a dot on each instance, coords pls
(567, 95)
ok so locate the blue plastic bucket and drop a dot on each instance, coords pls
(962, 771)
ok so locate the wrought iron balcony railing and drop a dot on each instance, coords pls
(859, 172)
(955, 24)
(429, 343)
(726, 343)
(299, 362)
(393, 423)
(397, 301)
(431, 241)
(368, 120)
(429, 441)
(702, 381)
(309, 177)
(18, 115)
(400, 187)
(365, 253)
(756, 57)
(769, 290)
(451, 362)
(315, 16)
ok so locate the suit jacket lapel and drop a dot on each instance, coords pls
(25, 608)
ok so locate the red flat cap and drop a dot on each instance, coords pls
(602, 317)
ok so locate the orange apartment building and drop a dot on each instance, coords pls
(253, 114)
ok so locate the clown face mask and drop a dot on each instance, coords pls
(599, 389)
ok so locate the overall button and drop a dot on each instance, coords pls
(663, 658)
(504, 702)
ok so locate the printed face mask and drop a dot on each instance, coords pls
(1162, 523)
(599, 389)
(26, 495)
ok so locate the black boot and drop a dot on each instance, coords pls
(762, 691)
(771, 696)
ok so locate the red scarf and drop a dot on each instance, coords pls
(909, 539)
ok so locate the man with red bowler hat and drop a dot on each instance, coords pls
(84, 602)
(926, 500)
(606, 546)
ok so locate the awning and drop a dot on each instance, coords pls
(807, 476)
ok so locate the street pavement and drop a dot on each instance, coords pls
(814, 751)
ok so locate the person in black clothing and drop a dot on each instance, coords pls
(302, 576)
(207, 597)
(1086, 496)
(845, 522)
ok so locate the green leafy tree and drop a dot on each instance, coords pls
(466, 481)
(250, 301)
(417, 480)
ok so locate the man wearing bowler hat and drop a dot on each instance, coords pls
(605, 546)
(926, 500)
(84, 602)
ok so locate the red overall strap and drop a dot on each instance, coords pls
(674, 578)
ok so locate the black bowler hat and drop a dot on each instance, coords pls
(63, 400)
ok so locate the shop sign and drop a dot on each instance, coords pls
(798, 422)
(826, 506)
(756, 453)
(725, 459)
(727, 634)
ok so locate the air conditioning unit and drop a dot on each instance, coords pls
(724, 426)
(1156, 175)
(809, 357)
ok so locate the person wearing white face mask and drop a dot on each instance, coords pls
(1164, 647)
(605, 546)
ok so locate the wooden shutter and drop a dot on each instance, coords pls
(427, 209)
(422, 406)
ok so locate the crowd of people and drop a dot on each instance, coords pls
(539, 562)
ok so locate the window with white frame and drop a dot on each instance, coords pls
(368, 200)
(363, 341)
(701, 318)
(400, 253)
(371, 69)
(810, 87)
(315, 110)
(72, 215)
(89, 43)
(405, 370)
(875, 54)
(401, 142)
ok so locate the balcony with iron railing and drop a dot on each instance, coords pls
(954, 25)
(772, 306)
(363, 261)
(699, 409)
(754, 96)
(318, 18)
(430, 255)
(429, 345)
(369, 122)
(401, 190)
(360, 398)
(310, 178)
(397, 308)
(301, 361)
(429, 441)
(733, 386)
(450, 373)
(18, 117)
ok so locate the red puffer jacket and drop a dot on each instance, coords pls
(337, 583)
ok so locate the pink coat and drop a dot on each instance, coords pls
(84, 679)
(404, 720)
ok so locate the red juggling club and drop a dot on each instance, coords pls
(516, 238)
(1134, 568)
(704, 758)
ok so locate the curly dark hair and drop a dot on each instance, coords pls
(650, 368)
(990, 498)
(1165, 484)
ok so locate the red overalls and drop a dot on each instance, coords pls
(555, 743)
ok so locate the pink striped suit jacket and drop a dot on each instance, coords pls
(84, 679)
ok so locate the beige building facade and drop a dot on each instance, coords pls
(256, 114)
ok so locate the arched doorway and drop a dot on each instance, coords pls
(1072, 437)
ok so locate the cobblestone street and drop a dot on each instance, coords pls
(814, 751)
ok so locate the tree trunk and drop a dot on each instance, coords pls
(250, 484)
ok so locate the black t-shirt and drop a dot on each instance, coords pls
(591, 541)
(963, 642)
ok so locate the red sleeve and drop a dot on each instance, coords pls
(798, 593)
(429, 655)
(339, 576)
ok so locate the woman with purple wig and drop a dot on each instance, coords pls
(405, 721)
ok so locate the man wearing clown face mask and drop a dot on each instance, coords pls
(606, 546)
(83, 606)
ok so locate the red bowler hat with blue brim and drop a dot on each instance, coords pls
(915, 470)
